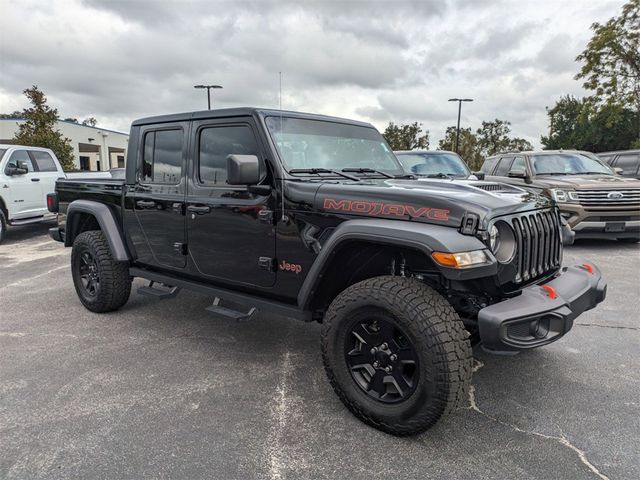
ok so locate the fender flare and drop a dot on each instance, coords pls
(423, 237)
(107, 222)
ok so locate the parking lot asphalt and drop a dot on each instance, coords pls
(162, 389)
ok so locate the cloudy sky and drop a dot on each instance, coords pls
(377, 61)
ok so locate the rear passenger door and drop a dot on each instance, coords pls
(158, 195)
(231, 235)
(47, 173)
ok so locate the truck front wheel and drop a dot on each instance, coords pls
(102, 284)
(396, 353)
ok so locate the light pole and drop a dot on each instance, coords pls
(208, 87)
(459, 100)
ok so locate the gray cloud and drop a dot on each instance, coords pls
(379, 61)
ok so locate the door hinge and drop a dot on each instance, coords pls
(266, 216)
(267, 263)
(181, 248)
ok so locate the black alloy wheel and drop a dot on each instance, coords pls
(89, 275)
(382, 360)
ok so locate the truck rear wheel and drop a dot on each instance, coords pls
(3, 225)
(102, 284)
(396, 353)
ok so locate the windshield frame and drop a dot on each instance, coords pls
(535, 156)
(398, 171)
(434, 153)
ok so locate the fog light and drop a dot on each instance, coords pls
(540, 328)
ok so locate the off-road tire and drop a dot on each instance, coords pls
(437, 335)
(3, 225)
(114, 285)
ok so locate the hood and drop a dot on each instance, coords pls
(587, 182)
(443, 202)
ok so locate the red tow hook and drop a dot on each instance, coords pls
(588, 267)
(550, 291)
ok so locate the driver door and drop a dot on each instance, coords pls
(24, 195)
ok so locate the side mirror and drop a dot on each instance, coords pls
(618, 170)
(519, 173)
(479, 175)
(243, 170)
(12, 169)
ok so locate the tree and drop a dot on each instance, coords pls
(90, 122)
(406, 137)
(39, 128)
(15, 114)
(493, 138)
(583, 125)
(611, 60)
(468, 147)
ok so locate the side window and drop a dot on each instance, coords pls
(44, 162)
(21, 158)
(503, 167)
(518, 164)
(628, 163)
(487, 166)
(216, 144)
(162, 157)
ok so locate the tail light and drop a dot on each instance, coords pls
(52, 202)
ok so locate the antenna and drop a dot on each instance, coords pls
(280, 98)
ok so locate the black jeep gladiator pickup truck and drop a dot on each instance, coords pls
(312, 217)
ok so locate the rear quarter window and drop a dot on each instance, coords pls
(487, 166)
(44, 161)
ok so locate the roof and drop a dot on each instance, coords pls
(241, 112)
(537, 152)
(615, 152)
(15, 145)
(72, 123)
(423, 151)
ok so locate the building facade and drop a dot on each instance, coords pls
(94, 148)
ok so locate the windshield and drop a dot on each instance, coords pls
(309, 144)
(434, 163)
(567, 164)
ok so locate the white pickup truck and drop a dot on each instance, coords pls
(27, 175)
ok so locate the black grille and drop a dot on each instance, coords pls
(538, 244)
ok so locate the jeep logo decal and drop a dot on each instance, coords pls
(615, 195)
(290, 267)
(381, 209)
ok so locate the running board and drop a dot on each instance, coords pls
(263, 304)
(217, 309)
(162, 294)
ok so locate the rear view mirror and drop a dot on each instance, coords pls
(617, 170)
(479, 175)
(243, 170)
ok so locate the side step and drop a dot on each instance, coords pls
(162, 294)
(217, 309)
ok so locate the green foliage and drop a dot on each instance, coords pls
(15, 114)
(611, 60)
(90, 122)
(493, 138)
(406, 137)
(468, 147)
(583, 125)
(39, 128)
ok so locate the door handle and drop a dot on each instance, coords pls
(35, 179)
(196, 209)
(145, 203)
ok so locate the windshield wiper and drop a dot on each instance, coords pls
(323, 170)
(368, 170)
(439, 175)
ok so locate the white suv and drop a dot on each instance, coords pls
(27, 175)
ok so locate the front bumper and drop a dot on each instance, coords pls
(542, 313)
(599, 222)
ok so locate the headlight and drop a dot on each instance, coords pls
(502, 241)
(564, 196)
(462, 259)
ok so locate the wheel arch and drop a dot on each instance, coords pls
(368, 245)
(84, 215)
